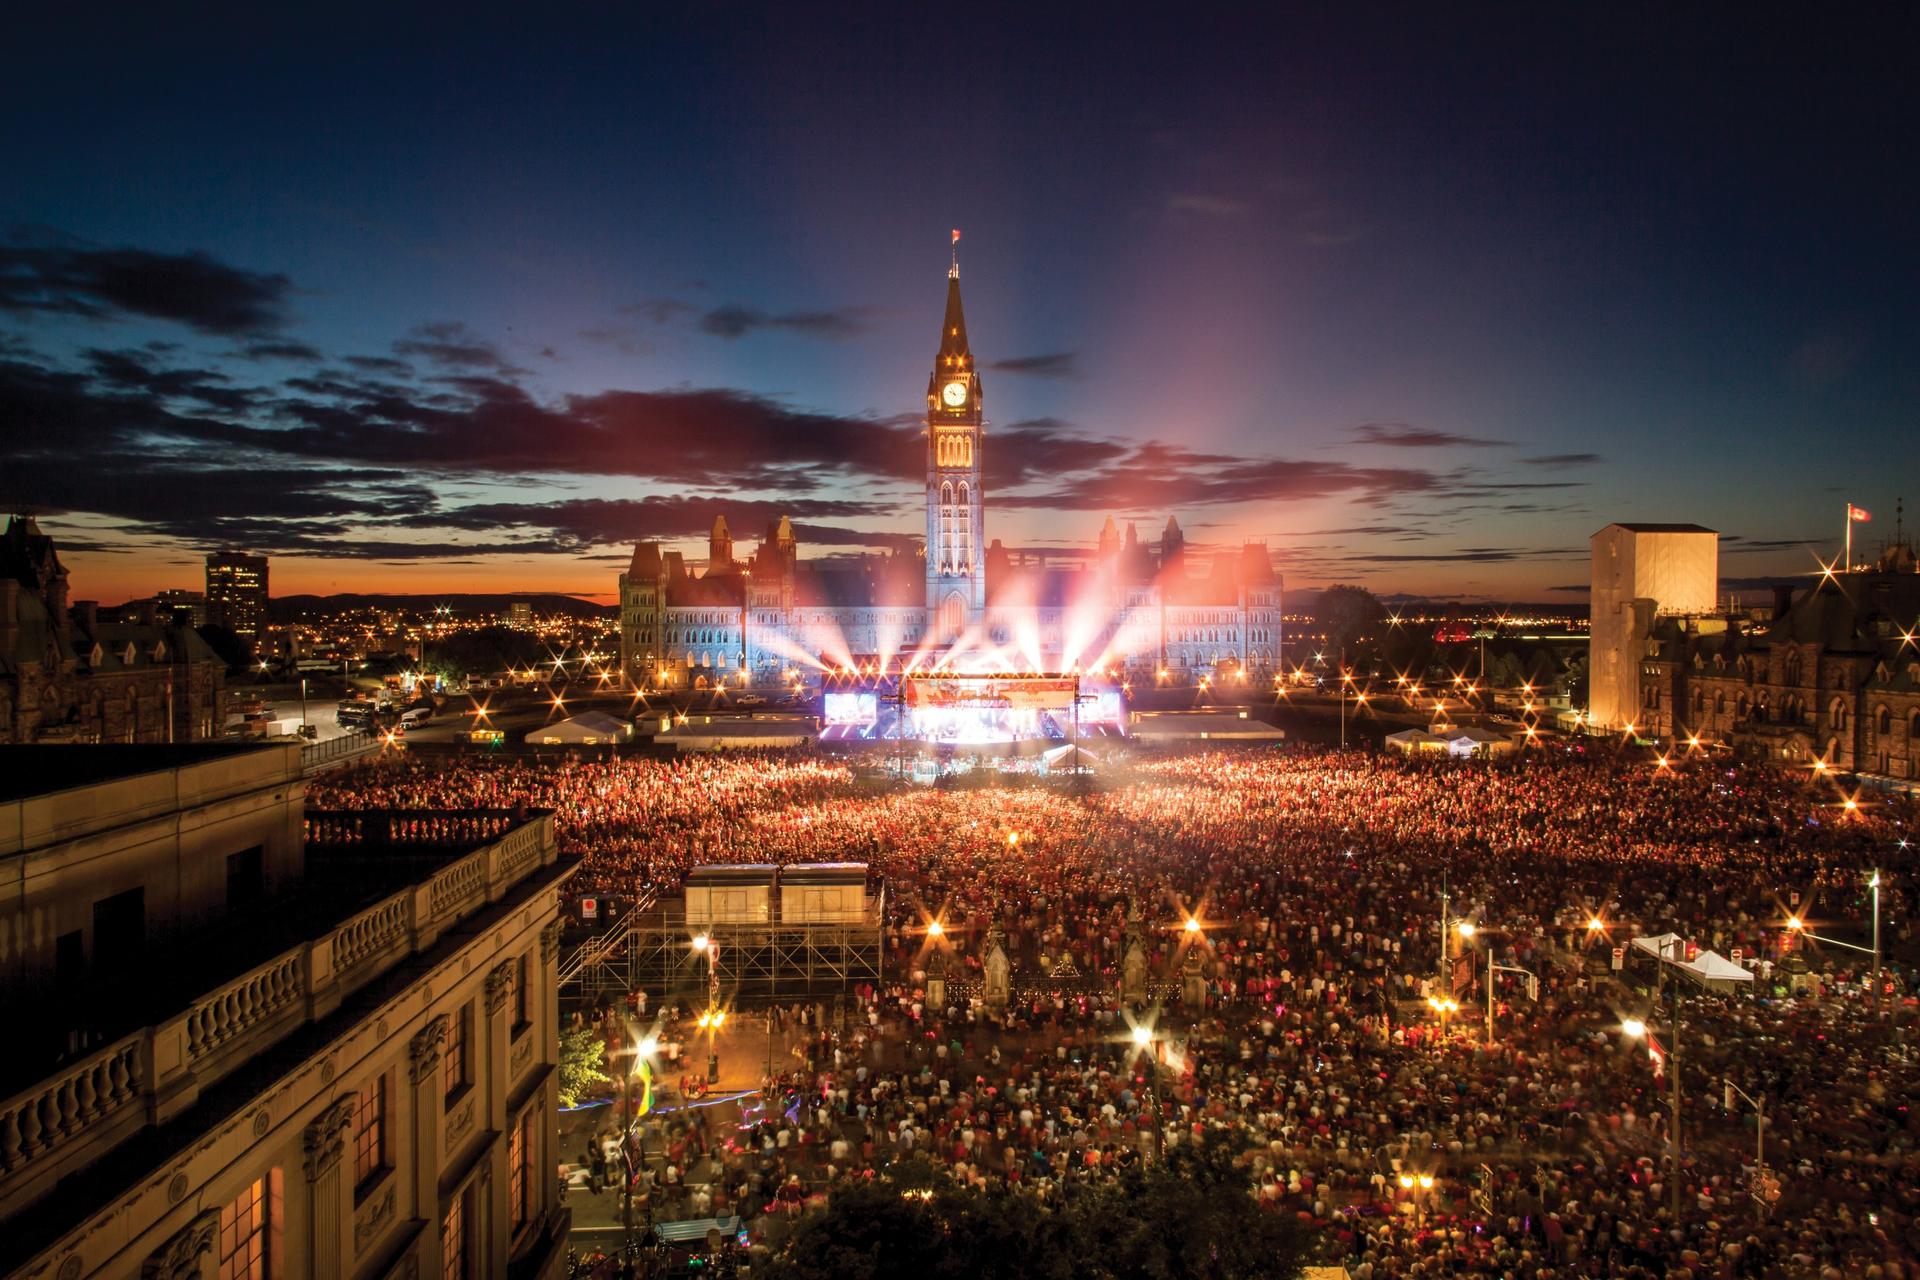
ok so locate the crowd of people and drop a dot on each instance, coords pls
(1324, 894)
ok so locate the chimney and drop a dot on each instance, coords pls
(150, 612)
(1782, 598)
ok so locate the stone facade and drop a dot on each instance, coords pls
(67, 675)
(1830, 674)
(378, 1092)
(1148, 612)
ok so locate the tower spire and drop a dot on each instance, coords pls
(953, 268)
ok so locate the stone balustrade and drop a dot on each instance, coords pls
(93, 1104)
(370, 933)
(36, 1123)
(247, 1002)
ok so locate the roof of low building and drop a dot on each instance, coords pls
(36, 770)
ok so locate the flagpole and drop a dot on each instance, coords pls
(1847, 564)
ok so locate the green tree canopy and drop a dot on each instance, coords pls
(1347, 614)
(583, 1057)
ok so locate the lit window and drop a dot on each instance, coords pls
(370, 1132)
(520, 983)
(453, 1240)
(519, 1156)
(453, 1063)
(243, 1234)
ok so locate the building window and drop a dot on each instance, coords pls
(245, 1238)
(453, 1060)
(370, 1133)
(519, 1170)
(119, 929)
(246, 878)
(453, 1240)
(521, 977)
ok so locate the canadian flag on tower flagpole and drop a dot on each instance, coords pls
(1853, 513)
(956, 235)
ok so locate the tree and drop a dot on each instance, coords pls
(228, 646)
(1347, 614)
(1187, 1217)
(583, 1055)
(487, 651)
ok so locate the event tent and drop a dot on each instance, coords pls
(588, 728)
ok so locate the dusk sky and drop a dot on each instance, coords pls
(1422, 297)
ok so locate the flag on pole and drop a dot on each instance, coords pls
(1657, 1055)
(956, 235)
(1860, 514)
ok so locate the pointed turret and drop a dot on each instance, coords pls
(719, 548)
(955, 355)
(1109, 544)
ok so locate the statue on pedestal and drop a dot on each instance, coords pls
(937, 980)
(998, 988)
(1133, 962)
(1193, 980)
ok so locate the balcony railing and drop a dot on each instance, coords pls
(89, 1106)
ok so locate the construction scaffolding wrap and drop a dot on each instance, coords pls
(652, 950)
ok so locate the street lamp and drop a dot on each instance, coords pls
(1419, 1185)
(714, 1016)
(1797, 925)
(1143, 1037)
(1637, 1028)
(1759, 1105)
(642, 1052)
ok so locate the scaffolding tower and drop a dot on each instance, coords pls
(758, 962)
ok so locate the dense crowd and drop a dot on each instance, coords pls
(1318, 880)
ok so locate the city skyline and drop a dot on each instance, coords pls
(1421, 307)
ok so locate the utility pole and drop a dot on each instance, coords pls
(626, 1159)
(1874, 884)
(1673, 1075)
(1759, 1106)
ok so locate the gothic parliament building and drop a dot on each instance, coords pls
(1151, 612)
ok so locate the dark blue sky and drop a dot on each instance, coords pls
(1421, 297)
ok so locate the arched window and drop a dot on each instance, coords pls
(1882, 722)
(1913, 728)
(963, 530)
(1837, 714)
(1720, 704)
(946, 528)
(1699, 701)
(1793, 668)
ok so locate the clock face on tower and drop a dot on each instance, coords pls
(954, 393)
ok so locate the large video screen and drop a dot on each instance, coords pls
(852, 708)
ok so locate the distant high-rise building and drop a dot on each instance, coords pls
(237, 593)
(520, 615)
(177, 600)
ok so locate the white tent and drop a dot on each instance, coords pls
(1410, 741)
(1708, 968)
(587, 729)
(1712, 969)
(1666, 946)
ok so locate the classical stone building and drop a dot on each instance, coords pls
(68, 675)
(251, 1040)
(1145, 608)
(1830, 673)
